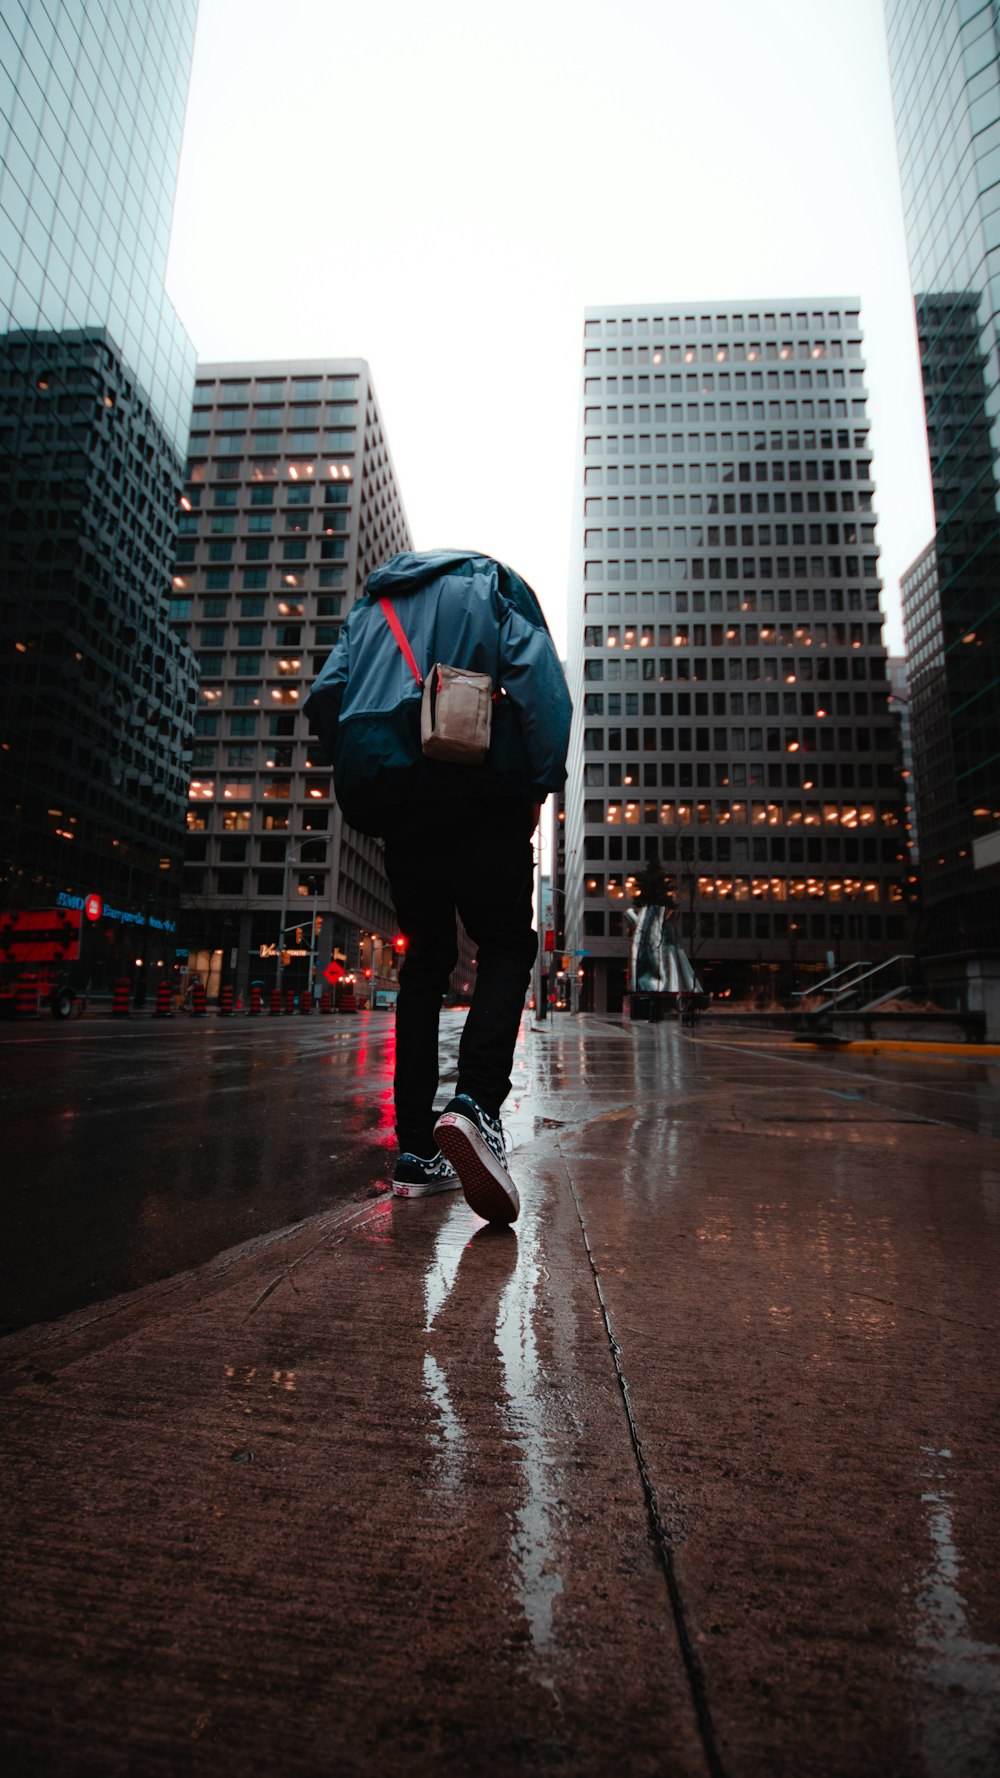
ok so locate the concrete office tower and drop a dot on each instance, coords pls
(727, 666)
(899, 698)
(96, 694)
(946, 94)
(290, 501)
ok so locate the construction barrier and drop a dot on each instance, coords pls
(305, 1001)
(289, 1000)
(121, 997)
(26, 997)
(198, 1000)
(326, 1001)
(163, 1009)
(275, 1006)
(256, 1001)
(226, 1001)
(346, 1000)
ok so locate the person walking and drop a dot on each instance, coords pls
(445, 714)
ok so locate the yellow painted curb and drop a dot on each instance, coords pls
(875, 1046)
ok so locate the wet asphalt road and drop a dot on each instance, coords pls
(134, 1151)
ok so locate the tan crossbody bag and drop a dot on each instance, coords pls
(456, 712)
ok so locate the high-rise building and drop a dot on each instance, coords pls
(96, 693)
(732, 727)
(290, 501)
(899, 695)
(946, 94)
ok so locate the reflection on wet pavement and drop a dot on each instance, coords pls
(506, 1267)
(949, 1661)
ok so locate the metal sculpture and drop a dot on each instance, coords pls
(658, 963)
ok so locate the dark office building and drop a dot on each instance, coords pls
(946, 93)
(97, 694)
(732, 728)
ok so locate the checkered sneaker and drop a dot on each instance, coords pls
(473, 1142)
(417, 1178)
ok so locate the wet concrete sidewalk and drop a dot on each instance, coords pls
(692, 1472)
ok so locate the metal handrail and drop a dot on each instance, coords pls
(869, 975)
(828, 980)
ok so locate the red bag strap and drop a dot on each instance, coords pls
(392, 619)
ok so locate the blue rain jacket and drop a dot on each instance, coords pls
(463, 610)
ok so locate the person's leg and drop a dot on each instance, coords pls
(425, 907)
(493, 885)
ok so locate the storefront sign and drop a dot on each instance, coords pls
(88, 903)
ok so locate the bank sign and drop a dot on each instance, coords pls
(96, 909)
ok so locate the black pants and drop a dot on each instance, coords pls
(478, 863)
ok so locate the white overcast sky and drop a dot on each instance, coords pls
(442, 188)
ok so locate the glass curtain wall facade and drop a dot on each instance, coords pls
(290, 501)
(732, 726)
(946, 94)
(96, 692)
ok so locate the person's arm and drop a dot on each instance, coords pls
(532, 677)
(323, 703)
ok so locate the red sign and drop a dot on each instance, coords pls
(333, 972)
(93, 907)
(550, 939)
(40, 935)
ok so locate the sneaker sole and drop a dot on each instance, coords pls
(401, 1189)
(488, 1188)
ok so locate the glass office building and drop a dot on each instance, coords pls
(732, 727)
(946, 93)
(96, 692)
(290, 501)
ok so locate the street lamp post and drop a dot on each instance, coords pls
(290, 852)
(312, 935)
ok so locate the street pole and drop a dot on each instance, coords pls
(540, 996)
(312, 941)
(284, 912)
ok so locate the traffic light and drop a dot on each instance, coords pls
(368, 975)
(399, 943)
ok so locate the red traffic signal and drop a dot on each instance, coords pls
(399, 942)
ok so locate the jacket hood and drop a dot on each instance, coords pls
(411, 570)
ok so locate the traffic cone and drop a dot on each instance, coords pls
(163, 1009)
(305, 1001)
(256, 1001)
(198, 1000)
(289, 1000)
(120, 1007)
(326, 1001)
(226, 1001)
(275, 1006)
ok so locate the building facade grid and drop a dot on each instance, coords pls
(291, 500)
(727, 663)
